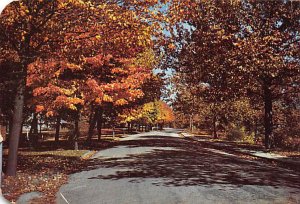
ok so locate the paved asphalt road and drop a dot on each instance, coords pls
(162, 168)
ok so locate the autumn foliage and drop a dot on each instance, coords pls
(242, 52)
(235, 66)
(157, 113)
(75, 59)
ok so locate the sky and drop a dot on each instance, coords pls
(4, 3)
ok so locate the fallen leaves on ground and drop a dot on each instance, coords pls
(42, 172)
(245, 145)
(45, 172)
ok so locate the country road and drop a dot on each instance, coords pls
(160, 167)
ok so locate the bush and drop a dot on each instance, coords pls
(282, 140)
(239, 134)
(249, 138)
(234, 134)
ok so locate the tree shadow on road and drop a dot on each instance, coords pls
(190, 163)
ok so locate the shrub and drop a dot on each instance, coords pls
(234, 134)
(282, 140)
(240, 134)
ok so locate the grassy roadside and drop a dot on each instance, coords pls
(242, 144)
(46, 171)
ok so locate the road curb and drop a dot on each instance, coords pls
(88, 155)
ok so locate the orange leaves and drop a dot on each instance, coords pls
(171, 46)
(50, 113)
(89, 53)
(165, 113)
(46, 90)
(51, 91)
(94, 86)
(121, 83)
(96, 61)
(67, 102)
(71, 66)
(118, 70)
(39, 108)
(98, 101)
(134, 93)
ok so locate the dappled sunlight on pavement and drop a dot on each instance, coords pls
(157, 167)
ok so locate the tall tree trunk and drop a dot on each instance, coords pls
(76, 133)
(99, 123)
(10, 122)
(33, 133)
(192, 122)
(40, 124)
(57, 128)
(268, 116)
(92, 124)
(14, 136)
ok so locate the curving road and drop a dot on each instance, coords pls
(161, 168)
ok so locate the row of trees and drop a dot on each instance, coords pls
(156, 113)
(238, 64)
(67, 60)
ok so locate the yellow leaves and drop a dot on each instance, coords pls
(107, 98)
(129, 115)
(62, 5)
(72, 107)
(57, 73)
(77, 2)
(23, 34)
(72, 66)
(152, 112)
(134, 94)
(67, 92)
(112, 15)
(76, 101)
(98, 37)
(121, 102)
(147, 59)
(71, 103)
